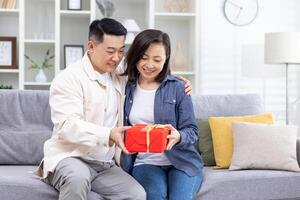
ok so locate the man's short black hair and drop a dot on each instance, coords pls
(105, 26)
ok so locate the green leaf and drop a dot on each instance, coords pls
(45, 63)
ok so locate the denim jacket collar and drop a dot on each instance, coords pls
(132, 85)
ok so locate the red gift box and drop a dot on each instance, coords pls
(153, 138)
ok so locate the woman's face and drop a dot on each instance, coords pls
(152, 62)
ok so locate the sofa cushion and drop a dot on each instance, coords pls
(205, 143)
(221, 130)
(264, 146)
(25, 125)
(18, 182)
(22, 147)
(249, 184)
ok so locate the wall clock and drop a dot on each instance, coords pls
(240, 12)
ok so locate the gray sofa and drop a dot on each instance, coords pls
(25, 124)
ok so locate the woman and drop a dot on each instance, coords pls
(155, 97)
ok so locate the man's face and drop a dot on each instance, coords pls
(106, 55)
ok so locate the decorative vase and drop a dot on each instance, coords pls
(168, 5)
(41, 77)
(106, 7)
(178, 62)
(176, 5)
(182, 5)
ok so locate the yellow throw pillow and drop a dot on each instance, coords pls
(221, 131)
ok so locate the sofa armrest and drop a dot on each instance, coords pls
(298, 150)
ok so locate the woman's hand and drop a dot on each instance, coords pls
(174, 137)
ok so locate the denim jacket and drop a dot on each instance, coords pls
(171, 106)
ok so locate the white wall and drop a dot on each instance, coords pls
(221, 44)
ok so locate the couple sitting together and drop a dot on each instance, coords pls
(92, 100)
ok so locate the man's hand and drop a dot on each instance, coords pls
(187, 85)
(174, 137)
(116, 136)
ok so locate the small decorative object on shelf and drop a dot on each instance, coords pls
(6, 87)
(106, 7)
(41, 77)
(74, 5)
(176, 5)
(178, 62)
(8, 4)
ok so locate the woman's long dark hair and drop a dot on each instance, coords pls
(138, 48)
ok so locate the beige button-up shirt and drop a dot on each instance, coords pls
(78, 101)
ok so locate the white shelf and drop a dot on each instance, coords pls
(9, 71)
(182, 73)
(128, 1)
(37, 84)
(6, 11)
(39, 41)
(75, 13)
(172, 15)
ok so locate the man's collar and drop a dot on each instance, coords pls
(88, 67)
(92, 74)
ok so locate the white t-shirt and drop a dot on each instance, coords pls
(142, 112)
(110, 117)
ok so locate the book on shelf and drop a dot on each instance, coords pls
(9, 4)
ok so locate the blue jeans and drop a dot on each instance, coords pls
(167, 182)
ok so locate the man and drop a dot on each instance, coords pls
(86, 102)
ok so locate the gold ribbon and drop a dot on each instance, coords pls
(149, 128)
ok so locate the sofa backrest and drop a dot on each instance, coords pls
(227, 105)
(25, 122)
(25, 125)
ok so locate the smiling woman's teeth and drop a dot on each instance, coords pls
(148, 71)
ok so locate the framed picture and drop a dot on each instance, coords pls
(74, 4)
(8, 53)
(72, 53)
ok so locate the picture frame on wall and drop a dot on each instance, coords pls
(72, 53)
(74, 4)
(8, 53)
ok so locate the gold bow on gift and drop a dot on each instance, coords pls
(149, 128)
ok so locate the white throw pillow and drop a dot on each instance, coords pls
(264, 146)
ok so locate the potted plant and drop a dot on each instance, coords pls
(41, 77)
(6, 87)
